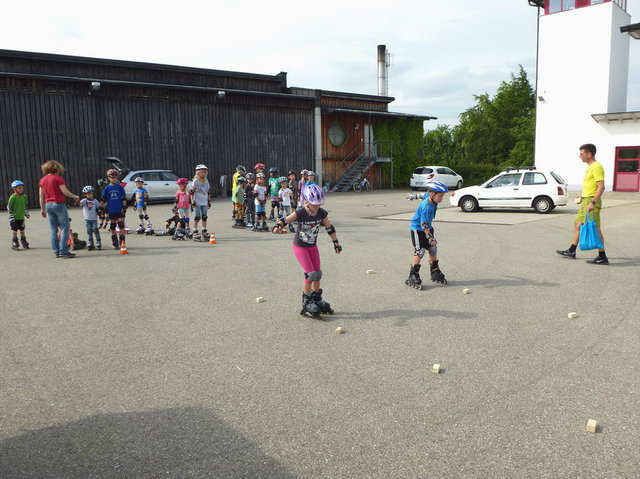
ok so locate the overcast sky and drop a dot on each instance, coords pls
(444, 51)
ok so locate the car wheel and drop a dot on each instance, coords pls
(469, 204)
(413, 188)
(543, 204)
(459, 185)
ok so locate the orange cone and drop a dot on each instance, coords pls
(123, 248)
(284, 230)
(212, 238)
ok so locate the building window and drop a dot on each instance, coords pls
(554, 6)
(337, 133)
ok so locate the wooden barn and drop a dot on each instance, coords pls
(79, 111)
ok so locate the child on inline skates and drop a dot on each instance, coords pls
(116, 200)
(201, 201)
(422, 235)
(141, 198)
(260, 192)
(182, 203)
(274, 187)
(309, 219)
(90, 212)
(249, 200)
(18, 211)
(240, 171)
(284, 197)
(239, 204)
(168, 229)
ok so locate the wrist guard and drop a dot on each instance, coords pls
(282, 222)
(336, 246)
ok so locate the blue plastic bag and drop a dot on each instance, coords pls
(589, 237)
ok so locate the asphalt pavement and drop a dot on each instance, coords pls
(161, 364)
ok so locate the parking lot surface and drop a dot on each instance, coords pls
(161, 363)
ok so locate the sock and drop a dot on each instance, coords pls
(573, 247)
(601, 254)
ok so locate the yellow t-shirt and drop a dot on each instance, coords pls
(594, 173)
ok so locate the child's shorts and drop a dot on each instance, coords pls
(17, 225)
(116, 216)
(260, 209)
(183, 212)
(239, 209)
(200, 212)
(286, 210)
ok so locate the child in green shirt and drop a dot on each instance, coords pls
(18, 211)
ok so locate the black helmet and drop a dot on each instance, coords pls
(291, 172)
(273, 170)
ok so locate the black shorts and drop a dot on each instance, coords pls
(116, 216)
(419, 239)
(274, 204)
(17, 225)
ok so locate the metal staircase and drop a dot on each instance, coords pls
(353, 172)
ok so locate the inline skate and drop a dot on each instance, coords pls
(321, 303)
(25, 243)
(414, 277)
(309, 307)
(437, 276)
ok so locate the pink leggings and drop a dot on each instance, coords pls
(309, 258)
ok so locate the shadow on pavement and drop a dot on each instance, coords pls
(171, 443)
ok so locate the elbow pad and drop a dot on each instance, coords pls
(330, 230)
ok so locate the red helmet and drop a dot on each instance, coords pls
(259, 165)
(113, 173)
(182, 181)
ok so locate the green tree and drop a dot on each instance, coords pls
(490, 130)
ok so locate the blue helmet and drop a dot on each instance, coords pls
(313, 195)
(17, 183)
(88, 189)
(437, 187)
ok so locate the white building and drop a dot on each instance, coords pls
(582, 74)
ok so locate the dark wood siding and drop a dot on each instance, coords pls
(145, 127)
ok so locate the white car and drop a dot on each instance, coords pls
(523, 187)
(160, 184)
(426, 174)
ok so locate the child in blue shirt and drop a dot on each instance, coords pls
(423, 238)
(140, 200)
(116, 200)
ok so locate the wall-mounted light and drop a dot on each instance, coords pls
(220, 95)
(541, 98)
(95, 86)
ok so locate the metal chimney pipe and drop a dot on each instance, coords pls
(383, 89)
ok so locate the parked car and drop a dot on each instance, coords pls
(160, 184)
(523, 187)
(425, 174)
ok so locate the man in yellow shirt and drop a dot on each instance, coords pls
(590, 200)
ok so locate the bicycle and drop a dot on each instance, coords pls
(361, 184)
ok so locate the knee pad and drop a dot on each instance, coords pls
(146, 217)
(112, 225)
(186, 221)
(196, 218)
(419, 252)
(433, 250)
(204, 217)
(120, 225)
(140, 216)
(313, 275)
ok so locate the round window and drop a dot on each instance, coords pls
(337, 133)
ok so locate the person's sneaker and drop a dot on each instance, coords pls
(567, 253)
(67, 255)
(598, 260)
(91, 248)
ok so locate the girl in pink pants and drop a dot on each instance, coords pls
(309, 219)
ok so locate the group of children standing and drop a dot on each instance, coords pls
(251, 191)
